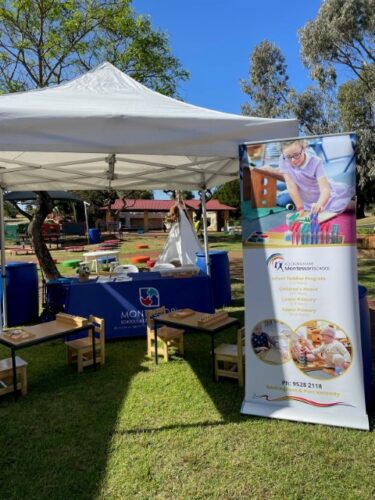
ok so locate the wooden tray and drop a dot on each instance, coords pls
(182, 313)
(69, 319)
(212, 319)
(18, 335)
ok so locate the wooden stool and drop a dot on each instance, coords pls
(229, 359)
(167, 336)
(6, 375)
(80, 350)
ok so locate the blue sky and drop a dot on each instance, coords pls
(213, 40)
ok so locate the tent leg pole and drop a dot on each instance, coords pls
(85, 205)
(205, 232)
(74, 212)
(4, 316)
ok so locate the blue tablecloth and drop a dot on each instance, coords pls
(123, 304)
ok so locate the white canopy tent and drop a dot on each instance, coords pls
(64, 137)
(105, 130)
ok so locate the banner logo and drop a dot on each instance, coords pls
(149, 297)
(276, 262)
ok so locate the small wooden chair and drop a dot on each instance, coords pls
(6, 375)
(229, 359)
(80, 350)
(167, 336)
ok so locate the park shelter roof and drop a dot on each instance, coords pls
(164, 205)
(104, 129)
(31, 196)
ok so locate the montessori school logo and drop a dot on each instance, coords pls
(149, 297)
(276, 262)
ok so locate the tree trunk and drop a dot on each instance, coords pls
(361, 204)
(43, 207)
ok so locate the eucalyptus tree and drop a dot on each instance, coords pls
(342, 39)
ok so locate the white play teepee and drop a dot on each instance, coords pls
(182, 243)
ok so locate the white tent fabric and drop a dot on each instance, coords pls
(104, 129)
(182, 243)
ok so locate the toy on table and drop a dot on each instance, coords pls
(291, 218)
(207, 320)
(71, 320)
(18, 335)
(296, 233)
(314, 228)
(309, 230)
(305, 234)
(181, 313)
(335, 229)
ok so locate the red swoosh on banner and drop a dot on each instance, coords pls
(146, 301)
(303, 400)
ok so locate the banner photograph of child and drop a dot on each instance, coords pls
(270, 341)
(299, 191)
(321, 349)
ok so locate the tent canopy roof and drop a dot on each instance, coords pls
(104, 129)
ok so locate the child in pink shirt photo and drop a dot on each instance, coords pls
(307, 183)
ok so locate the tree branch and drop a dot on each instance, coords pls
(22, 212)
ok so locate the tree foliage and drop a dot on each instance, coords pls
(343, 33)
(271, 96)
(229, 194)
(353, 104)
(10, 210)
(44, 42)
(316, 110)
(267, 87)
(356, 112)
(104, 199)
(136, 194)
(183, 195)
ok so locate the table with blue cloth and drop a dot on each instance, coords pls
(122, 304)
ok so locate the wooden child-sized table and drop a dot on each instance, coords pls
(63, 325)
(187, 319)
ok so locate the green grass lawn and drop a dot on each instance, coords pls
(134, 430)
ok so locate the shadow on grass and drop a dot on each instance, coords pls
(152, 430)
(226, 395)
(55, 441)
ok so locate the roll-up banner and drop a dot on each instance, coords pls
(303, 344)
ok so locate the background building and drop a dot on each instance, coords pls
(149, 214)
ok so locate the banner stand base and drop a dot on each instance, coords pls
(353, 421)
